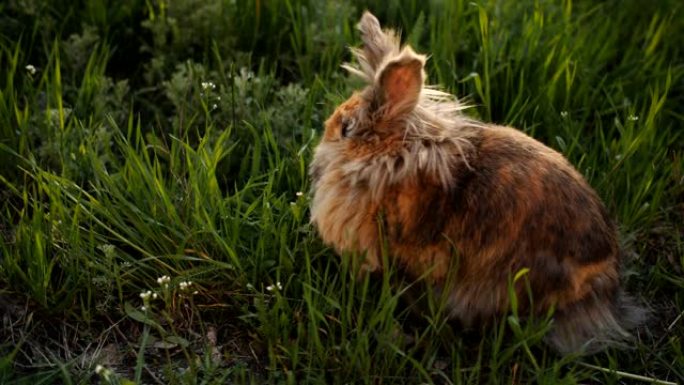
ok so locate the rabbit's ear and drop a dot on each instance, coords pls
(377, 44)
(399, 84)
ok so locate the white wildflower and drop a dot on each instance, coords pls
(164, 280)
(104, 372)
(299, 193)
(31, 69)
(208, 86)
(146, 294)
(277, 286)
(633, 118)
(564, 114)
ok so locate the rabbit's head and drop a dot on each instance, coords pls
(393, 130)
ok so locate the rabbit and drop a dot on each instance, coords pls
(455, 196)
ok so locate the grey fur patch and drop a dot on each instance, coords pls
(592, 325)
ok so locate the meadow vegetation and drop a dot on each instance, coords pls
(154, 188)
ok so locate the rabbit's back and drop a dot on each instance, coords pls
(517, 205)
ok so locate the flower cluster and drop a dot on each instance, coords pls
(164, 280)
(146, 295)
(276, 286)
(186, 285)
(208, 86)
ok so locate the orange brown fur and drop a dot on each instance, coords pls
(446, 187)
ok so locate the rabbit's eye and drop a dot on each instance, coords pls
(347, 125)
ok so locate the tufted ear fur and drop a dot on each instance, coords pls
(378, 45)
(399, 83)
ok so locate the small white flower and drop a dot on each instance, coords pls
(145, 294)
(31, 69)
(564, 114)
(164, 280)
(104, 372)
(195, 292)
(250, 286)
(299, 193)
(277, 286)
(143, 308)
(185, 285)
(154, 296)
(214, 106)
(208, 85)
(633, 118)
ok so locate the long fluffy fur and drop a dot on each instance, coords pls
(437, 118)
(444, 183)
(592, 325)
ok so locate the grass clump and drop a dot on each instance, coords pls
(171, 139)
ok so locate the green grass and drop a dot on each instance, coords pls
(171, 138)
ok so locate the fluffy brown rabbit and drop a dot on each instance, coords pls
(446, 187)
